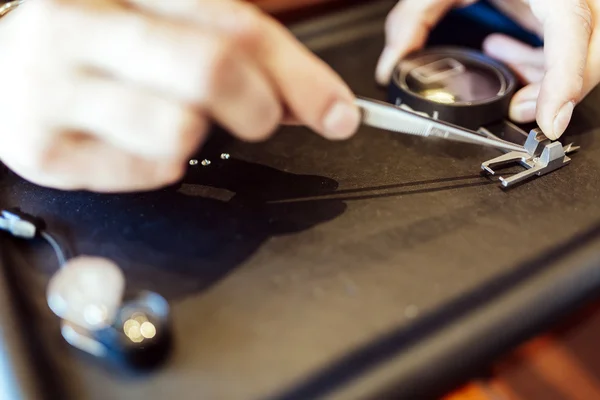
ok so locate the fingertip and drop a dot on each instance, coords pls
(550, 136)
(548, 132)
(385, 67)
(169, 173)
(523, 106)
(556, 106)
(492, 41)
(562, 120)
(498, 46)
(341, 121)
(523, 112)
(513, 52)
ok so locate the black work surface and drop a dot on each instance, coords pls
(295, 252)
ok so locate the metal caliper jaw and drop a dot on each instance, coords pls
(541, 156)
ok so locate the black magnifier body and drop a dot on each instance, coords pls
(455, 85)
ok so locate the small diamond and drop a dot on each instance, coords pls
(225, 156)
(205, 163)
(193, 162)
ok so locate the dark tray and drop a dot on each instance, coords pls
(301, 268)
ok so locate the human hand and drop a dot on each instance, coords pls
(115, 95)
(557, 77)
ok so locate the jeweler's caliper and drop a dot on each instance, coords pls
(541, 156)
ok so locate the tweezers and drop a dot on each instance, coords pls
(539, 155)
(389, 117)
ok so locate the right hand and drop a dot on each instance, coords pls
(557, 77)
(105, 96)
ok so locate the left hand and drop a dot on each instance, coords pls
(557, 77)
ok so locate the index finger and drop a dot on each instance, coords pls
(312, 92)
(407, 28)
(568, 26)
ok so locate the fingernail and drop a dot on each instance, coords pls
(523, 112)
(385, 66)
(561, 122)
(341, 121)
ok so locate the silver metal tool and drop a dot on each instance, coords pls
(392, 118)
(467, 90)
(541, 156)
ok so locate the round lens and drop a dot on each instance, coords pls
(451, 80)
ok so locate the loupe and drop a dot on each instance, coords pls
(456, 85)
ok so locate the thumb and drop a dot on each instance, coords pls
(567, 28)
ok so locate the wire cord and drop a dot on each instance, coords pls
(60, 254)
(24, 226)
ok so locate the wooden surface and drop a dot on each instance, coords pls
(561, 365)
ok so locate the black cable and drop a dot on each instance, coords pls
(25, 226)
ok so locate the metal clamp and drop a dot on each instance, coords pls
(541, 157)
